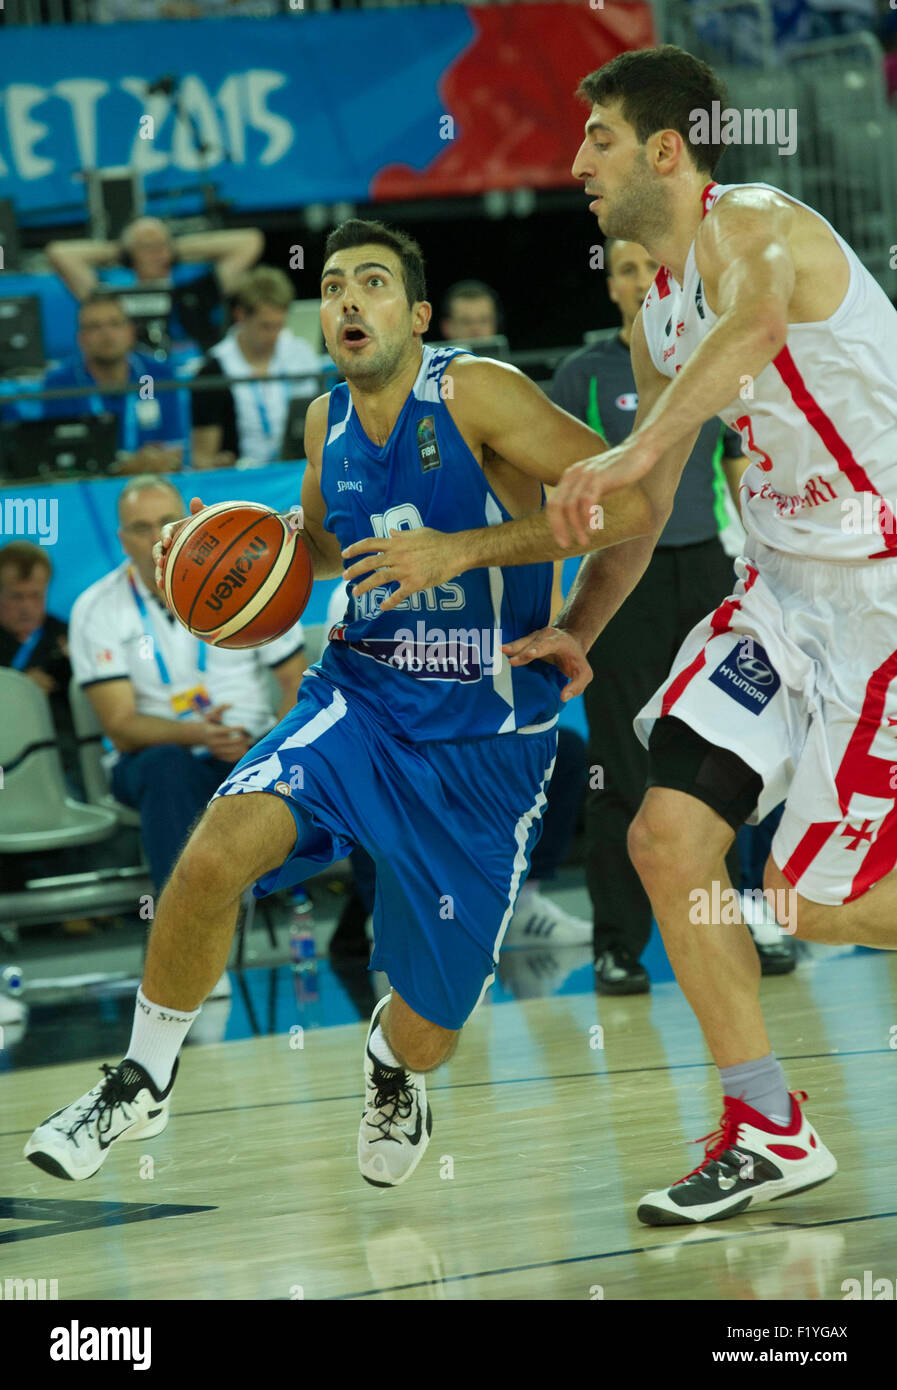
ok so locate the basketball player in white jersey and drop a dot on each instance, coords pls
(763, 315)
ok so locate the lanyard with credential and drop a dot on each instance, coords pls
(147, 623)
(129, 417)
(262, 408)
(23, 655)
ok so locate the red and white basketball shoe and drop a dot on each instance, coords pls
(748, 1162)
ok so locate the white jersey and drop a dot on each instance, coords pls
(821, 426)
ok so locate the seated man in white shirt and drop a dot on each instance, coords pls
(179, 712)
(247, 419)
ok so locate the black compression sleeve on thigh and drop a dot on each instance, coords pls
(686, 762)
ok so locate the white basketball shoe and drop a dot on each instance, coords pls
(397, 1120)
(73, 1142)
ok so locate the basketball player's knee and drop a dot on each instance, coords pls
(208, 865)
(815, 921)
(662, 846)
(424, 1048)
(429, 1053)
(775, 881)
(237, 841)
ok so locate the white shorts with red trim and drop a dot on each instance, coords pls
(797, 674)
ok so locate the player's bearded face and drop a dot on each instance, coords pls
(381, 360)
(637, 210)
(369, 327)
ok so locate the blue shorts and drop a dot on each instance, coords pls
(450, 827)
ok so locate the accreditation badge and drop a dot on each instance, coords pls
(149, 414)
(193, 701)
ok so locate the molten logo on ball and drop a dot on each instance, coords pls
(236, 575)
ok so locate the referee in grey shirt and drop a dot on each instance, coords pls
(688, 575)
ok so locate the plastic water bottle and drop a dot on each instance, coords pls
(303, 955)
(12, 981)
(302, 929)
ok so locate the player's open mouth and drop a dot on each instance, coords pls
(354, 337)
(593, 205)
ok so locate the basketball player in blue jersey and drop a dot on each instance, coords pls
(412, 737)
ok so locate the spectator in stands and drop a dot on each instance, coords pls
(151, 431)
(33, 641)
(179, 712)
(152, 256)
(470, 310)
(689, 573)
(247, 420)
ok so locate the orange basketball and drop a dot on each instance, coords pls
(237, 576)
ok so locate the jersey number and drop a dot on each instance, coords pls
(754, 453)
(406, 517)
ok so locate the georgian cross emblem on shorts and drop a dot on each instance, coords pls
(863, 832)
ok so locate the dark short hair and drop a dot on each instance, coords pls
(359, 232)
(658, 88)
(468, 289)
(24, 557)
(101, 297)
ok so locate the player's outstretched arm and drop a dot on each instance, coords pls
(607, 577)
(744, 256)
(496, 406)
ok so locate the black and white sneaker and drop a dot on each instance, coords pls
(617, 971)
(397, 1120)
(748, 1162)
(73, 1142)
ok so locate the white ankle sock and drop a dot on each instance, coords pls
(381, 1048)
(157, 1037)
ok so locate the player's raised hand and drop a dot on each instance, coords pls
(573, 506)
(560, 648)
(415, 560)
(169, 531)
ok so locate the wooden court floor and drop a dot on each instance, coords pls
(552, 1120)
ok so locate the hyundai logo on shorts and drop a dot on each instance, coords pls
(748, 677)
(757, 672)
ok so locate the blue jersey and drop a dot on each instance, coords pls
(158, 419)
(432, 668)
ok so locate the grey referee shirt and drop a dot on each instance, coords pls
(596, 385)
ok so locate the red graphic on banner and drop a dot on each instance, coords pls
(511, 97)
